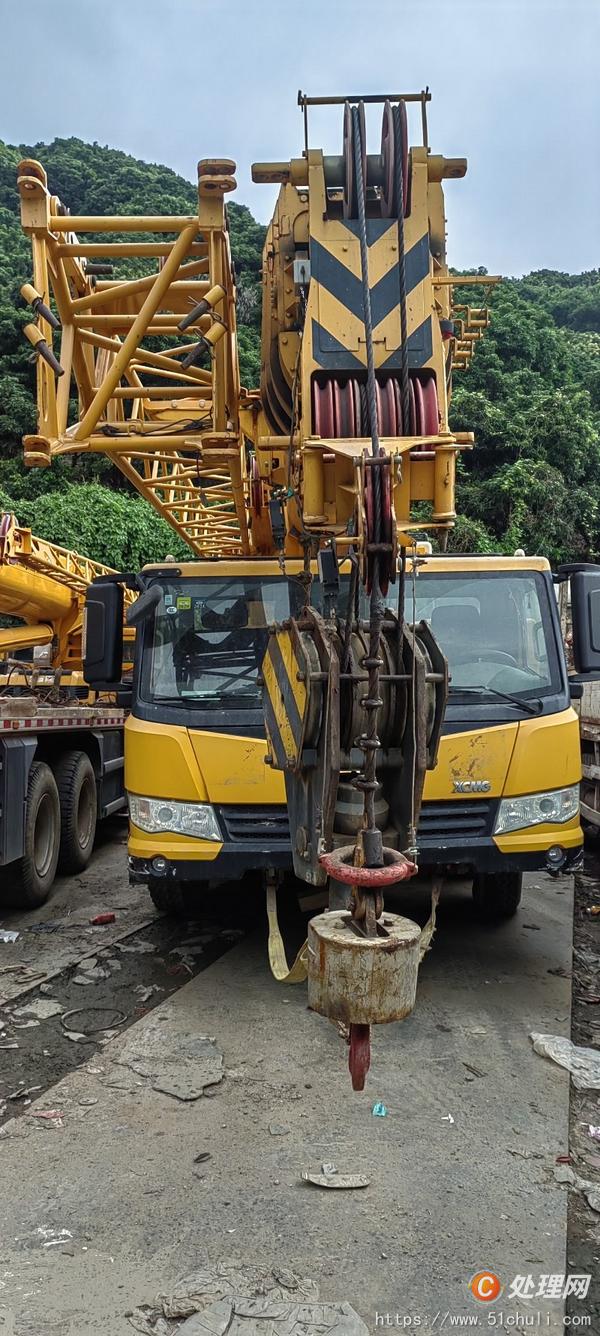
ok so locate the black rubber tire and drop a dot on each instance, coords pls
(76, 783)
(29, 880)
(169, 897)
(497, 895)
(591, 833)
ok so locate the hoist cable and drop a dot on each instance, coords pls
(369, 742)
(399, 175)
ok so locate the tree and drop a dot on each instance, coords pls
(532, 397)
(122, 531)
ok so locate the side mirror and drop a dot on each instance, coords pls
(103, 635)
(585, 613)
(144, 606)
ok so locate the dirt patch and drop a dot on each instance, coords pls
(57, 1026)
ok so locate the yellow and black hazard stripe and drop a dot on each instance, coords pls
(285, 698)
(337, 307)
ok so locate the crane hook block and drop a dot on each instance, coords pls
(362, 980)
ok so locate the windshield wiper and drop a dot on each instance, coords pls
(529, 706)
(185, 697)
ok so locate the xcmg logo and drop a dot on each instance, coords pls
(472, 785)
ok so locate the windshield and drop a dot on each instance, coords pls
(207, 639)
(205, 644)
(495, 630)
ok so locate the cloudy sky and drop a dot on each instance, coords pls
(515, 87)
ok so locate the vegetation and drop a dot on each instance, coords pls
(532, 394)
(532, 397)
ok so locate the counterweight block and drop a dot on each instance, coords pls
(362, 980)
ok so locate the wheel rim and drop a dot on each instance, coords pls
(43, 844)
(85, 814)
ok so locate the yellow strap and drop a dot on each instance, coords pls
(299, 971)
(429, 929)
(277, 957)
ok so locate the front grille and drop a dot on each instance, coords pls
(456, 820)
(256, 823)
(438, 821)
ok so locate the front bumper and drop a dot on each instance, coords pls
(456, 835)
(228, 865)
(254, 838)
(489, 858)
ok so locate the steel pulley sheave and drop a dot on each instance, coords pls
(337, 409)
(378, 528)
(340, 410)
(395, 123)
(350, 187)
(394, 126)
(427, 414)
(260, 518)
(256, 491)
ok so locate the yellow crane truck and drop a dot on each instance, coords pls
(502, 798)
(313, 688)
(61, 746)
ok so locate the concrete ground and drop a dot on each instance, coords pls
(461, 1168)
(60, 932)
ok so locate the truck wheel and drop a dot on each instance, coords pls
(497, 895)
(169, 897)
(76, 783)
(33, 874)
(591, 833)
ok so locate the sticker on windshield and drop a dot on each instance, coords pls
(184, 603)
(168, 600)
(172, 611)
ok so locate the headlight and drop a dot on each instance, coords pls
(162, 814)
(554, 807)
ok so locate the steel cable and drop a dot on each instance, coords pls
(369, 742)
(399, 182)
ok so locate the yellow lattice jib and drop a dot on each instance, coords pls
(154, 357)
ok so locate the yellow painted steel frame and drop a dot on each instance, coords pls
(179, 430)
(317, 327)
(45, 585)
(173, 430)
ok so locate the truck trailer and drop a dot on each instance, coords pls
(61, 745)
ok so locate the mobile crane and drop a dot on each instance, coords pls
(302, 504)
(61, 746)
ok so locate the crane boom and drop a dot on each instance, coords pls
(168, 420)
(238, 473)
(45, 586)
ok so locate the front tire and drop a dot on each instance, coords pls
(76, 783)
(33, 874)
(497, 895)
(169, 897)
(591, 833)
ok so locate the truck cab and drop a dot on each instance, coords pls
(204, 805)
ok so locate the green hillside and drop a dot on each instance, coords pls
(532, 394)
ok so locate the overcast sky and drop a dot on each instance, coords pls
(515, 87)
